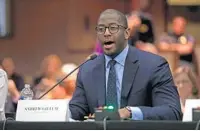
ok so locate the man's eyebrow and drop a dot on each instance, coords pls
(100, 25)
(108, 24)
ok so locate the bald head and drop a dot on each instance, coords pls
(121, 17)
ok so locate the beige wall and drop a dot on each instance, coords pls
(157, 10)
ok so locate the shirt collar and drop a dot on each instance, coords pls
(120, 59)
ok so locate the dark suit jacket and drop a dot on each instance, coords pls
(147, 83)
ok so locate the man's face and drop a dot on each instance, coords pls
(184, 85)
(179, 26)
(112, 43)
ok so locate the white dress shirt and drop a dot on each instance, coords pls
(3, 93)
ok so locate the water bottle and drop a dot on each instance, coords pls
(26, 93)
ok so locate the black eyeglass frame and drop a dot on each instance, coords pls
(109, 28)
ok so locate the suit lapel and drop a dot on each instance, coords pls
(99, 81)
(130, 70)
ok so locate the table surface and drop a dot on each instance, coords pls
(99, 125)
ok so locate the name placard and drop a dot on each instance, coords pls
(189, 105)
(42, 110)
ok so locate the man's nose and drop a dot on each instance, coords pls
(107, 32)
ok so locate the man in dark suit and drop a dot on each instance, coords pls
(138, 84)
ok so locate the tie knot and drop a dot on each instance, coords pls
(112, 63)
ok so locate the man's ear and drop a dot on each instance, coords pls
(127, 33)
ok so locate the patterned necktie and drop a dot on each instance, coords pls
(111, 98)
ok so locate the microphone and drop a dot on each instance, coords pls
(92, 57)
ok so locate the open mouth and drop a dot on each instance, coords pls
(108, 44)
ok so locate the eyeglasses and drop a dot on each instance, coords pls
(113, 28)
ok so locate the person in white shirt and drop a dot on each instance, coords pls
(3, 93)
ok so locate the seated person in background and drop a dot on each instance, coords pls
(141, 30)
(51, 72)
(3, 93)
(9, 67)
(138, 84)
(144, 31)
(178, 40)
(69, 83)
(13, 95)
(188, 87)
(15, 84)
(50, 67)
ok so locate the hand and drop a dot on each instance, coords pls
(91, 116)
(124, 113)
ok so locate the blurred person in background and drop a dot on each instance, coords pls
(188, 87)
(50, 67)
(15, 84)
(69, 84)
(50, 74)
(145, 30)
(141, 32)
(142, 27)
(3, 93)
(9, 67)
(13, 95)
(178, 40)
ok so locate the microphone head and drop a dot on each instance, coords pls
(93, 56)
